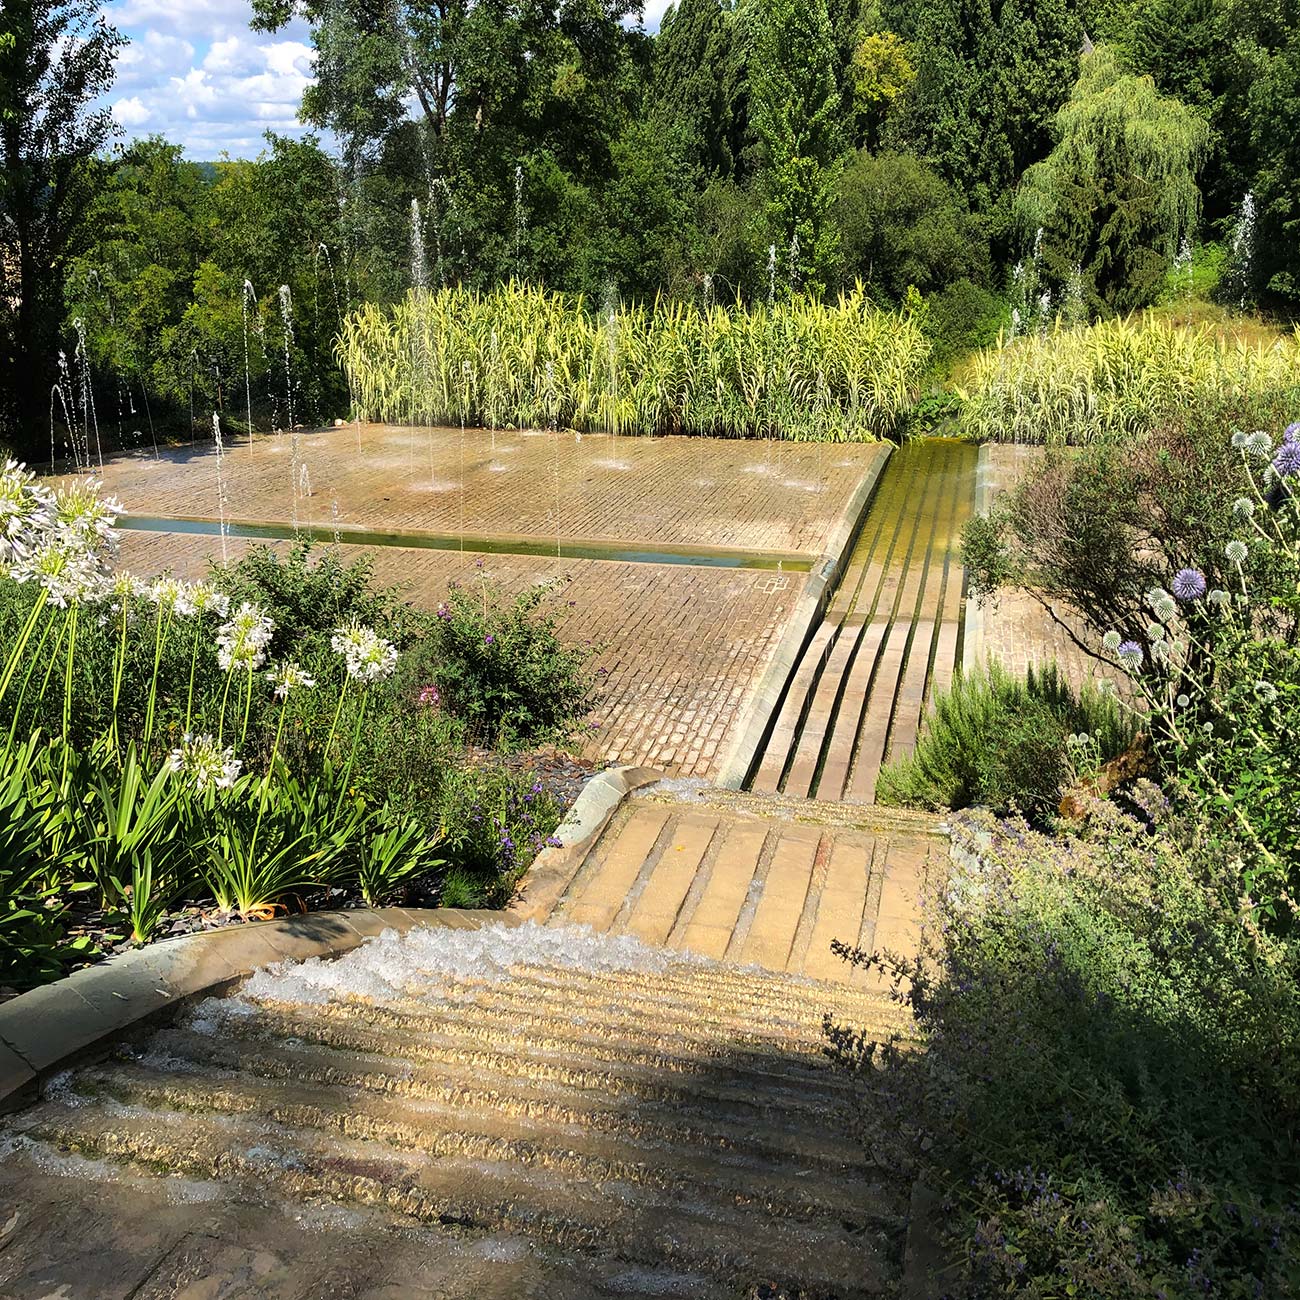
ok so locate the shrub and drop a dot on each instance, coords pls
(499, 666)
(1109, 1096)
(1004, 743)
(308, 591)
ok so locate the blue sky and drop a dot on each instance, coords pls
(195, 73)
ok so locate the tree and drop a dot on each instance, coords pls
(56, 59)
(880, 70)
(901, 224)
(1273, 113)
(796, 102)
(1118, 192)
(456, 96)
(990, 75)
(694, 90)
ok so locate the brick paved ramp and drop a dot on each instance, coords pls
(682, 646)
(778, 496)
(890, 640)
(1016, 630)
(763, 882)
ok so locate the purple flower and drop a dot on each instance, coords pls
(1189, 584)
(1291, 434)
(487, 640)
(1130, 654)
(1286, 463)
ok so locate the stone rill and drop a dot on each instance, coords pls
(536, 1111)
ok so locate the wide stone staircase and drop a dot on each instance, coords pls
(517, 1110)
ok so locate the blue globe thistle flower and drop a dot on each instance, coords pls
(1236, 551)
(1238, 439)
(1291, 434)
(1130, 654)
(1286, 463)
(1111, 640)
(1259, 443)
(1189, 584)
(1243, 508)
(1218, 598)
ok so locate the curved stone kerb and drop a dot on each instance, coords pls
(44, 1029)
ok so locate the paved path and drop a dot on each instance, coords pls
(890, 640)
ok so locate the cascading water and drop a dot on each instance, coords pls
(222, 497)
(286, 318)
(246, 296)
(794, 263)
(771, 275)
(85, 392)
(1044, 312)
(1183, 266)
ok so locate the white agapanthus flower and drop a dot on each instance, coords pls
(172, 596)
(205, 763)
(207, 599)
(288, 677)
(366, 655)
(88, 518)
(68, 572)
(27, 513)
(242, 642)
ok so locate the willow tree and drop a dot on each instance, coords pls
(1118, 193)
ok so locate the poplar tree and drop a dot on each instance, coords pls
(796, 104)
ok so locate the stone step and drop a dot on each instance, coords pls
(640, 1222)
(688, 1120)
(784, 1189)
(560, 1060)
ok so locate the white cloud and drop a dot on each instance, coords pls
(130, 112)
(196, 73)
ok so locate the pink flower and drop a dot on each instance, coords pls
(429, 697)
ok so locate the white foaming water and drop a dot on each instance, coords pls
(393, 965)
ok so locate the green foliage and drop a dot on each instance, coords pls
(902, 225)
(1117, 195)
(1004, 743)
(698, 89)
(989, 79)
(500, 667)
(56, 64)
(523, 357)
(33, 815)
(310, 591)
(1108, 1099)
(1117, 378)
(795, 107)
(963, 318)
(880, 71)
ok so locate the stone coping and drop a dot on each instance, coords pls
(811, 605)
(45, 1029)
(554, 868)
